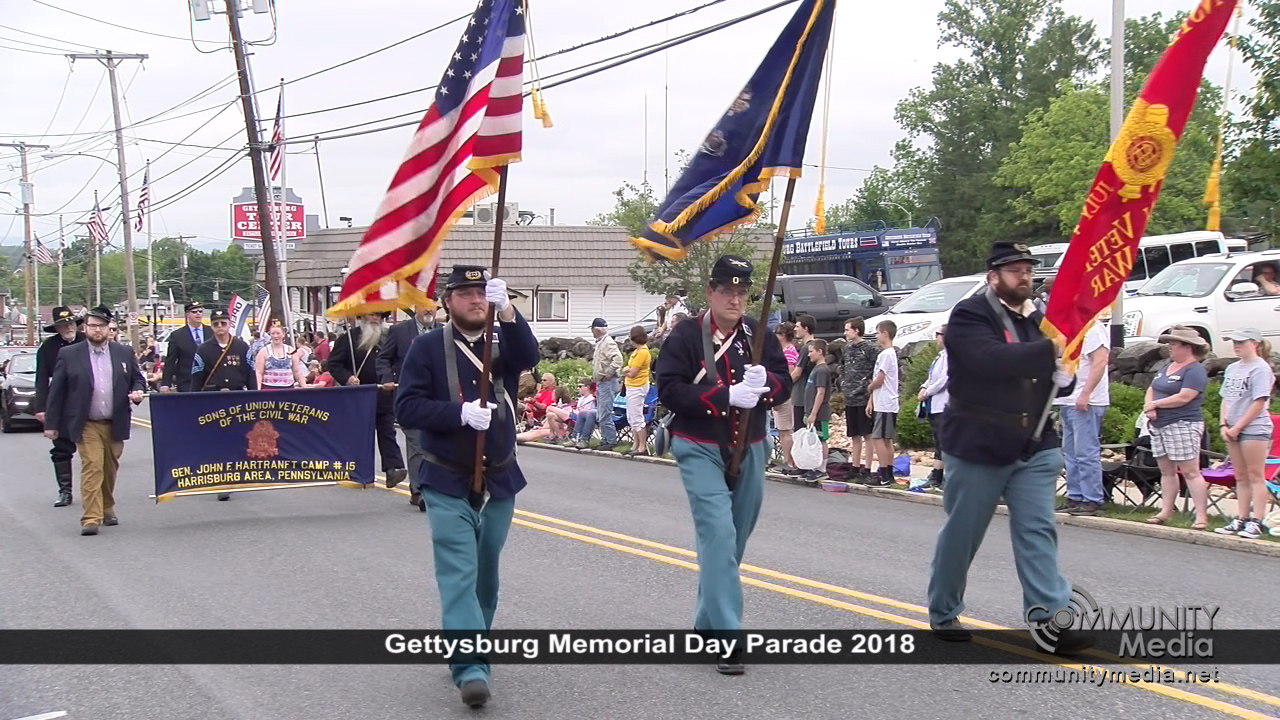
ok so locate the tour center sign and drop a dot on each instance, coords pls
(239, 440)
(288, 219)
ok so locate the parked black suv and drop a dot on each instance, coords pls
(830, 299)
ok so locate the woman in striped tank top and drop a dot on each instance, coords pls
(278, 368)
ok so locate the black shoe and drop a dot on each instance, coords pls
(935, 479)
(1067, 506)
(1071, 642)
(731, 665)
(880, 478)
(223, 497)
(89, 529)
(1086, 508)
(64, 499)
(63, 473)
(951, 631)
(475, 693)
(110, 520)
(605, 447)
(395, 476)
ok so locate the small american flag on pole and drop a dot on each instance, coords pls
(277, 140)
(97, 227)
(41, 254)
(472, 127)
(144, 198)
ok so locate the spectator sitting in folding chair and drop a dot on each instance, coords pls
(535, 408)
(582, 421)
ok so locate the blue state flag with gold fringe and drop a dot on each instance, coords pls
(762, 135)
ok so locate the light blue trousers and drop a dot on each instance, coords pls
(466, 545)
(970, 498)
(606, 392)
(1082, 451)
(723, 521)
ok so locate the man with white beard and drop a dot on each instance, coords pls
(354, 361)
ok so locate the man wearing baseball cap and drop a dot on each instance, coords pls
(66, 329)
(606, 363)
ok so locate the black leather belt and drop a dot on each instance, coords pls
(1022, 420)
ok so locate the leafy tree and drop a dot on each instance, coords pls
(1017, 52)
(1251, 175)
(878, 200)
(633, 207)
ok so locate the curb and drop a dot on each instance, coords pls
(1129, 527)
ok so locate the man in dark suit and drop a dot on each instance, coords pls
(66, 329)
(183, 344)
(93, 384)
(395, 347)
(1001, 373)
(354, 361)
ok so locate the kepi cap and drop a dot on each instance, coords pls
(466, 276)
(732, 270)
(1003, 253)
(217, 315)
(192, 306)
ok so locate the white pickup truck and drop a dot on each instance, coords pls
(1212, 294)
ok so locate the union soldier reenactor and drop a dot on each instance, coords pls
(222, 362)
(66, 332)
(1001, 373)
(354, 361)
(705, 377)
(439, 397)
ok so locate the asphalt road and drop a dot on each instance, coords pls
(598, 543)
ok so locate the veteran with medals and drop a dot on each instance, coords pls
(706, 379)
(439, 398)
(222, 362)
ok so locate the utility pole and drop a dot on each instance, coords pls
(28, 199)
(62, 251)
(271, 275)
(112, 61)
(1117, 120)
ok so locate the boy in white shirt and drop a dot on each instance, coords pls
(883, 405)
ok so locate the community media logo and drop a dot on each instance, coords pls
(1171, 632)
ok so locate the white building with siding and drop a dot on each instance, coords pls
(565, 275)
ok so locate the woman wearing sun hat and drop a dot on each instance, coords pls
(1174, 406)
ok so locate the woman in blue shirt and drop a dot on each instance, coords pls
(1174, 403)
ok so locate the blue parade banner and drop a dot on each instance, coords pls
(238, 440)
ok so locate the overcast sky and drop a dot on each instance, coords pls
(599, 139)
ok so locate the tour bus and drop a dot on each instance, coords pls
(1155, 253)
(893, 261)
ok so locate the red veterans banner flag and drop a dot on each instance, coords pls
(1117, 208)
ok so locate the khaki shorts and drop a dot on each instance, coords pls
(784, 417)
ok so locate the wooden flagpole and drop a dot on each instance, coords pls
(757, 345)
(477, 477)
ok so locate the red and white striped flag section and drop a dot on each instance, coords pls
(277, 140)
(97, 227)
(144, 198)
(41, 254)
(472, 127)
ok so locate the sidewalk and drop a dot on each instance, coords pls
(934, 497)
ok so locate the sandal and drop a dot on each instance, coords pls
(1199, 526)
(1157, 520)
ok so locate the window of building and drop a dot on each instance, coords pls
(552, 306)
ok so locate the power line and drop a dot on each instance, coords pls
(45, 37)
(37, 45)
(122, 27)
(441, 26)
(33, 52)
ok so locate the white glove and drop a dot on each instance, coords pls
(754, 376)
(742, 396)
(1062, 378)
(475, 416)
(495, 291)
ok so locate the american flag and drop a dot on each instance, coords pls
(144, 198)
(472, 128)
(97, 227)
(262, 309)
(41, 254)
(277, 139)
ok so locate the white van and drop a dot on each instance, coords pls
(1155, 253)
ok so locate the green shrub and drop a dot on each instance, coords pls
(913, 433)
(916, 370)
(568, 372)
(837, 403)
(1122, 414)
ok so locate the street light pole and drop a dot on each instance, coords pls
(1117, 120)
(904, 210)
